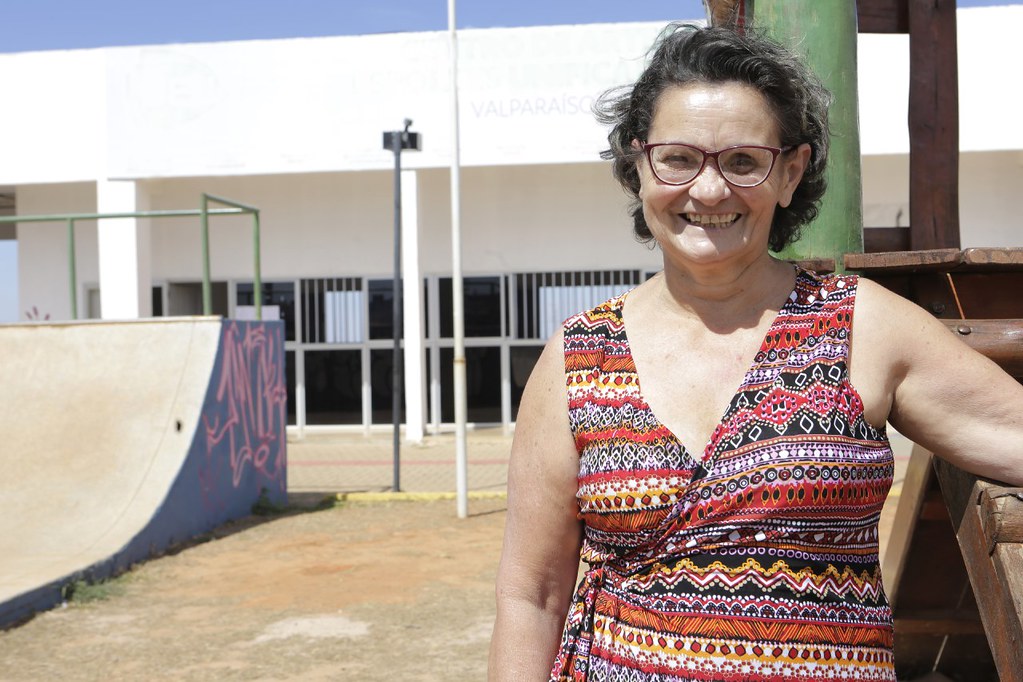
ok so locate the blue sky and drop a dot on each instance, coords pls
(71, 24)
(57, 24)
(64, 24)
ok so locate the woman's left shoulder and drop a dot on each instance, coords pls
(878, 303)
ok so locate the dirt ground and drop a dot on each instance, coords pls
(369, 591)
(396, 590)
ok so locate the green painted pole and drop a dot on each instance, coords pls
(72, 268)
(204, 213)
(207, 289)
(824, 32)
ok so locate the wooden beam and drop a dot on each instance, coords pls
(938, 622)
(1001, 515)
(999, 340)
(880, 239)
(882, 16)
(911, 499)
(1010, 256)
(904, 261)
(997, 577)
(933, 125)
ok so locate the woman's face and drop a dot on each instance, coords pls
(707, 221)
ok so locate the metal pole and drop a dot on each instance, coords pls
(457, 287)
(257, 277)
(207, 293)
(397, 373)
(825, 33)
(72, 269)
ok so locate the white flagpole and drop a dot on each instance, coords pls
(461, 409)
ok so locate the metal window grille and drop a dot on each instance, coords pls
(332, 310)
(543, 300)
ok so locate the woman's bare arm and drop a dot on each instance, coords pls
(540, 558)
(942, 394)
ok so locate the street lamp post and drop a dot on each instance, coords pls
(396, 141)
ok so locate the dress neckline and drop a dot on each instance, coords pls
(707, 458)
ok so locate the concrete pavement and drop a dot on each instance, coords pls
(345, 462)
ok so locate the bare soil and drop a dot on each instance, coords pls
(384, 591)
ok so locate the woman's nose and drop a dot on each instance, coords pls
(709, 187)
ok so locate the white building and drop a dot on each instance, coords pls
(294, 127)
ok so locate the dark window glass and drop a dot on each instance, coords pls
(381, 362)
(289, 377)
(157, 301)
(333, 387)
(482, 381)
(481, 302)
(381, 309)
(426, 310)
(281, 294)
(523, 359)
(186, 298)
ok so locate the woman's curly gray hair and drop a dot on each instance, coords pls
(685, 54)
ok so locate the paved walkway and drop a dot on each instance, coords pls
(342, 462)
(355, 462)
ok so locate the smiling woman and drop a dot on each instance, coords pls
(712, 444)
(712, 210)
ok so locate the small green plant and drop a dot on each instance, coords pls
(82, 591)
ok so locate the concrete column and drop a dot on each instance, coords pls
(125, 283)
(412, 310)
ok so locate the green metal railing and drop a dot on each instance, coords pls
(233, 208)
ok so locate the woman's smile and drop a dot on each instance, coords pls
(710, 220)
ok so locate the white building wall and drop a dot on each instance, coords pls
(314, 224)
(514, 218)
(321, 104)
(564, 217)
(989, 186)
(43, 250)
(294, 127)
(885, 181)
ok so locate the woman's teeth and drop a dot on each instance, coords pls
(711, 220)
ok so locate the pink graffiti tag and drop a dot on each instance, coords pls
(253, 394)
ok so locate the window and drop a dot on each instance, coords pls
(483, 384)
(543, 300)
(382, 381)
(332, 310)
(333, 386)
(523, 359)
(279, 294)
(481, 298)
(381, 309)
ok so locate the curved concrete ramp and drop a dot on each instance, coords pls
(118, 440)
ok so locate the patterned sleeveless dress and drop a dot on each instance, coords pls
(756, 561)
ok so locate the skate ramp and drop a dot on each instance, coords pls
(118, 440)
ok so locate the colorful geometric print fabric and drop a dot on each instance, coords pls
(758, 561)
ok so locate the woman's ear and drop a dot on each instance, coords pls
(793, 165)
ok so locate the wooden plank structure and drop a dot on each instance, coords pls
(954, 563)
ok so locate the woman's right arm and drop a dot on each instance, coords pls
(540, 558)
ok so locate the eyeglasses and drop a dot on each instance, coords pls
(674, 163)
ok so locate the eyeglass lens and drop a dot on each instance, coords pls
(741, 166)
